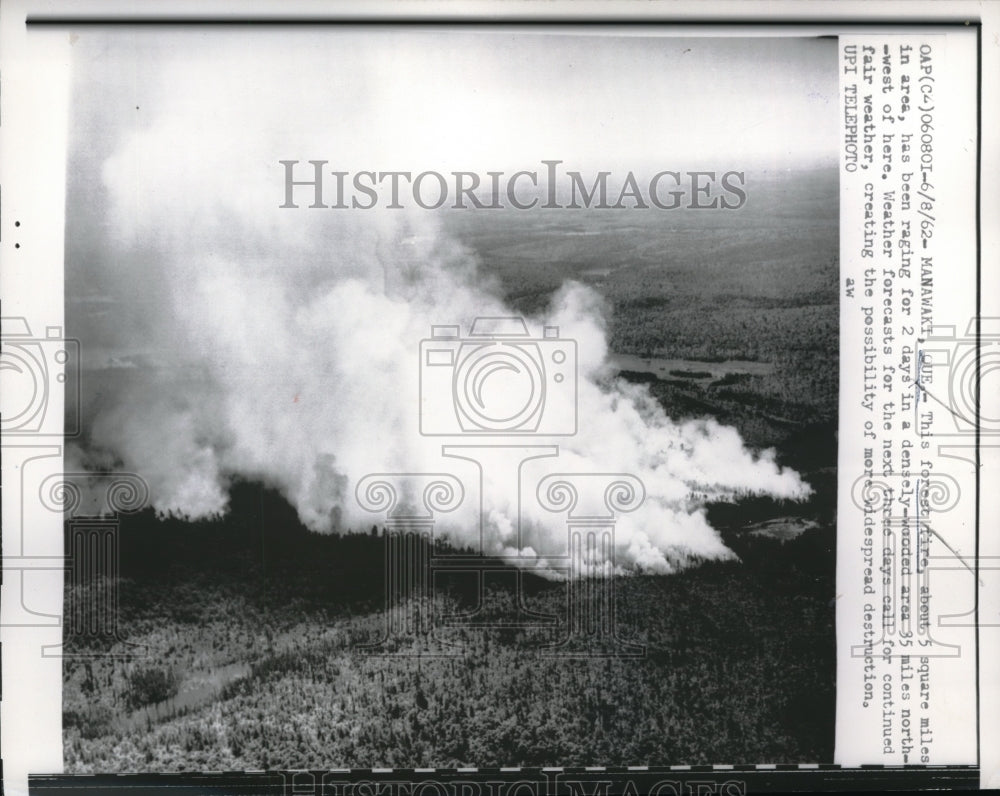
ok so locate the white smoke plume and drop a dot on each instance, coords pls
(287, 341)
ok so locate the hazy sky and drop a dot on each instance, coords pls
(479, 99)
(181, 130)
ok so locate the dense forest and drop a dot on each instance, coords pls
(222, 662)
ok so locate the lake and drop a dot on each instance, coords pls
(661, 368)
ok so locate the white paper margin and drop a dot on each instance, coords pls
(34, 82)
